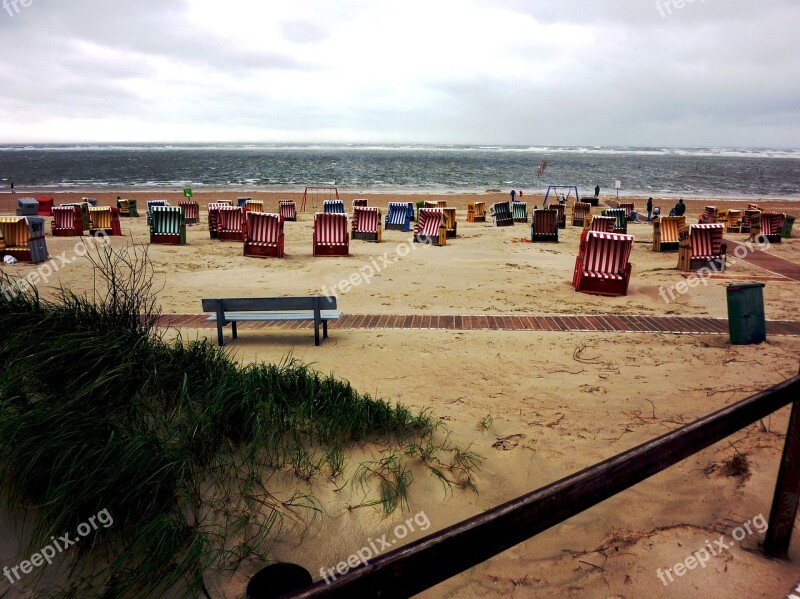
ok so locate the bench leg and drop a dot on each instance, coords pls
(233, 329)
(316, 332)
(324, 329)
(219, 334)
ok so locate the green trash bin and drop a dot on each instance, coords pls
(746, 320)
(786, 232)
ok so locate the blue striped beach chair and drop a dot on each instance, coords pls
(520, 212)
(333, 207)
(398, 218)
(167, 225)
(151, 204)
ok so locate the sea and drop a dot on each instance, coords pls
(363, 168)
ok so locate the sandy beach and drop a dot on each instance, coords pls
(536, 406)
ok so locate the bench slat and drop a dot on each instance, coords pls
(324, 315)
(268, 303)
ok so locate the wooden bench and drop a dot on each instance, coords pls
(320, 309)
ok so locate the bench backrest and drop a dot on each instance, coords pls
(366, 219)
(668, 226)
(166, 220)
(264, 227)
(603, 224)
(330, 228)
(230, 218)
(772, 223)
(607, 252)
(544, 222)
(333, 206)
(398, 213)
(101, 217)
(429, 221)
(266, 304)
(287, 209)
(706, 239)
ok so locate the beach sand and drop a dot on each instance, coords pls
(536, 406)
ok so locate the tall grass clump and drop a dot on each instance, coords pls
(176, 440)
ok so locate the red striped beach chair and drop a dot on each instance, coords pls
(230, 223)
(666, 233)
(501, 214)
(750, 217)
(580, 212)
(602, 224)
(67, 221)
(772, 225)
(104, 221)
(191, 212)
(476, 212)
(709, 215)
(430, 228)
(254, 206)
(264, 235)
(288, 210)
(604, 268)
(331, 237)
(367, 223)
(399, 217)
(544, 226)
(45, 206)
(23, 238)
(213, 217)
(734, 221)
(701, 247)
(362, 202)
(628, 207)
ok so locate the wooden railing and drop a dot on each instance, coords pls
(424, 563)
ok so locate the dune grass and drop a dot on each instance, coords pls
(177, 440)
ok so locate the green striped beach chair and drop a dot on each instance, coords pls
(621, 225)
(167, 225)
(520, 211)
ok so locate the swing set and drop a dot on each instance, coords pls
(562, 193)
(318, 195)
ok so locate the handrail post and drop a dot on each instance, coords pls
(787, 492)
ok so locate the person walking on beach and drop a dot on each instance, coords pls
(513, 196)
(597, 191)
(12, 187)
(649, 207)
(680, 208)
(519, 195)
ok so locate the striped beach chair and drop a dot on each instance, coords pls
(621, 225)
(603, 267)
(104, 221)
(230, 223)
(331, 237)
(628, 207)
(213, 217)
(242, 202)
(562, 214)
(580, 212)
(23, 238)
(127, 208)
(734, 221)
(772, 225)
(167, 225)
(151, 204)
(288, 210)
(398, 218)
(333, 206)
(45, 206)
(435, 204)
(191, 211)
(476, 212)
(501, 214)
(263, 235)
(367, 223)
(602, 224)
(449, 219)
(722, 218)
(84, 213)
(430, 227)
(544, 225)
(709, 215)
(254, 206)
(750, 217)
(411, 215)
(362, 202)
(67, 221)
(701, 247)
(665, 233)
(519, 210)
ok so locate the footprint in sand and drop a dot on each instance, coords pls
(507, 443)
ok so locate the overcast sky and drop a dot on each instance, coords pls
(567, 72)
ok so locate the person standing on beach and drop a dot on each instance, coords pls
(597, 191)
(680, 208)
(513, 196)
(519, 195)
(649, 207)
(12, 187)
